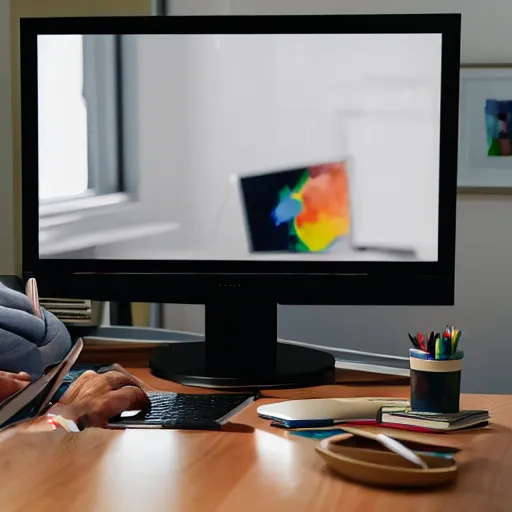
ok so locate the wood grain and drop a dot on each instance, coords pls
(255, 469)
(133, 355)
(137, 355)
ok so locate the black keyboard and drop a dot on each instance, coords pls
(188, 411)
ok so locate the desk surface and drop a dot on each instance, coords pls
(253, 468)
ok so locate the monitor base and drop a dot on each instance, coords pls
(294, 367)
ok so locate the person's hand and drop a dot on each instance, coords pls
(11, 383)
(94, 398)
(142, 385)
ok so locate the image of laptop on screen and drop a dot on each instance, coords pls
(301, 210)
(306, 210)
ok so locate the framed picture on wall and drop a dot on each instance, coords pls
(485, 130)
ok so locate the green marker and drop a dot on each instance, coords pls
(446, 346)
(437, 354)
(457, 339)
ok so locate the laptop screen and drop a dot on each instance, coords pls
(306, 209)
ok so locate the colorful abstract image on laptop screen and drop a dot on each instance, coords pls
(298, 210)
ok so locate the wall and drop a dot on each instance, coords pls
(485, 32)
(6, 195)
(484, 231)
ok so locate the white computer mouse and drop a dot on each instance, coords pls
(327, 409)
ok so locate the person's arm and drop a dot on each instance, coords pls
(91, 401)
(39, 424)
(60, 418)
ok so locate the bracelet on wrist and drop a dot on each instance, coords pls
(56, 421)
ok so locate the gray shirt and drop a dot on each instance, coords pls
(27, 342)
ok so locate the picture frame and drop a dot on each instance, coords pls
(485, 146)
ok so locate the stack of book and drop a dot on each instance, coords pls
(69, 311)
(320, 413)
(434, 422)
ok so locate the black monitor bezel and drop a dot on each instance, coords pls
(449, 25)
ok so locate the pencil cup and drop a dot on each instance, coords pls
(435, 385)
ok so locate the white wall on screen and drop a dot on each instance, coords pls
(214, 105)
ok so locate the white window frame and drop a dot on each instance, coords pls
(111, 201)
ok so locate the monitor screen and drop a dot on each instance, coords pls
(242, 147)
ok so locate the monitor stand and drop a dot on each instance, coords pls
(240, 351)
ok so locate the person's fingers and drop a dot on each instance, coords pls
(118, 368)
(92, 388)
(24, 376)
(82, 385)
(14, 385)
(128, 398)
(136, 399)
(118, 380)
(96, 398)
(87, 375)
(9, 386)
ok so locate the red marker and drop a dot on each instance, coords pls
(421, 341)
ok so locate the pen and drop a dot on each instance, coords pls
(419, 354)
(432, 343)
(456, 342)
(414, 341)
(420, 341)
(446, 346)
(453, 336)
(437, 353)
(435, 345)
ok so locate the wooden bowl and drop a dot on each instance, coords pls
(383, 468)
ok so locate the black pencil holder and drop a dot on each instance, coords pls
(435, 385)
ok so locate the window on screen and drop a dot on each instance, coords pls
(79, 133)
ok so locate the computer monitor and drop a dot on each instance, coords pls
(241, 162)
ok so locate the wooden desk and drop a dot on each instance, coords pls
(255, 469)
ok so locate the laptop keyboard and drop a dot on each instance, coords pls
(189, 411)
(175, 410)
